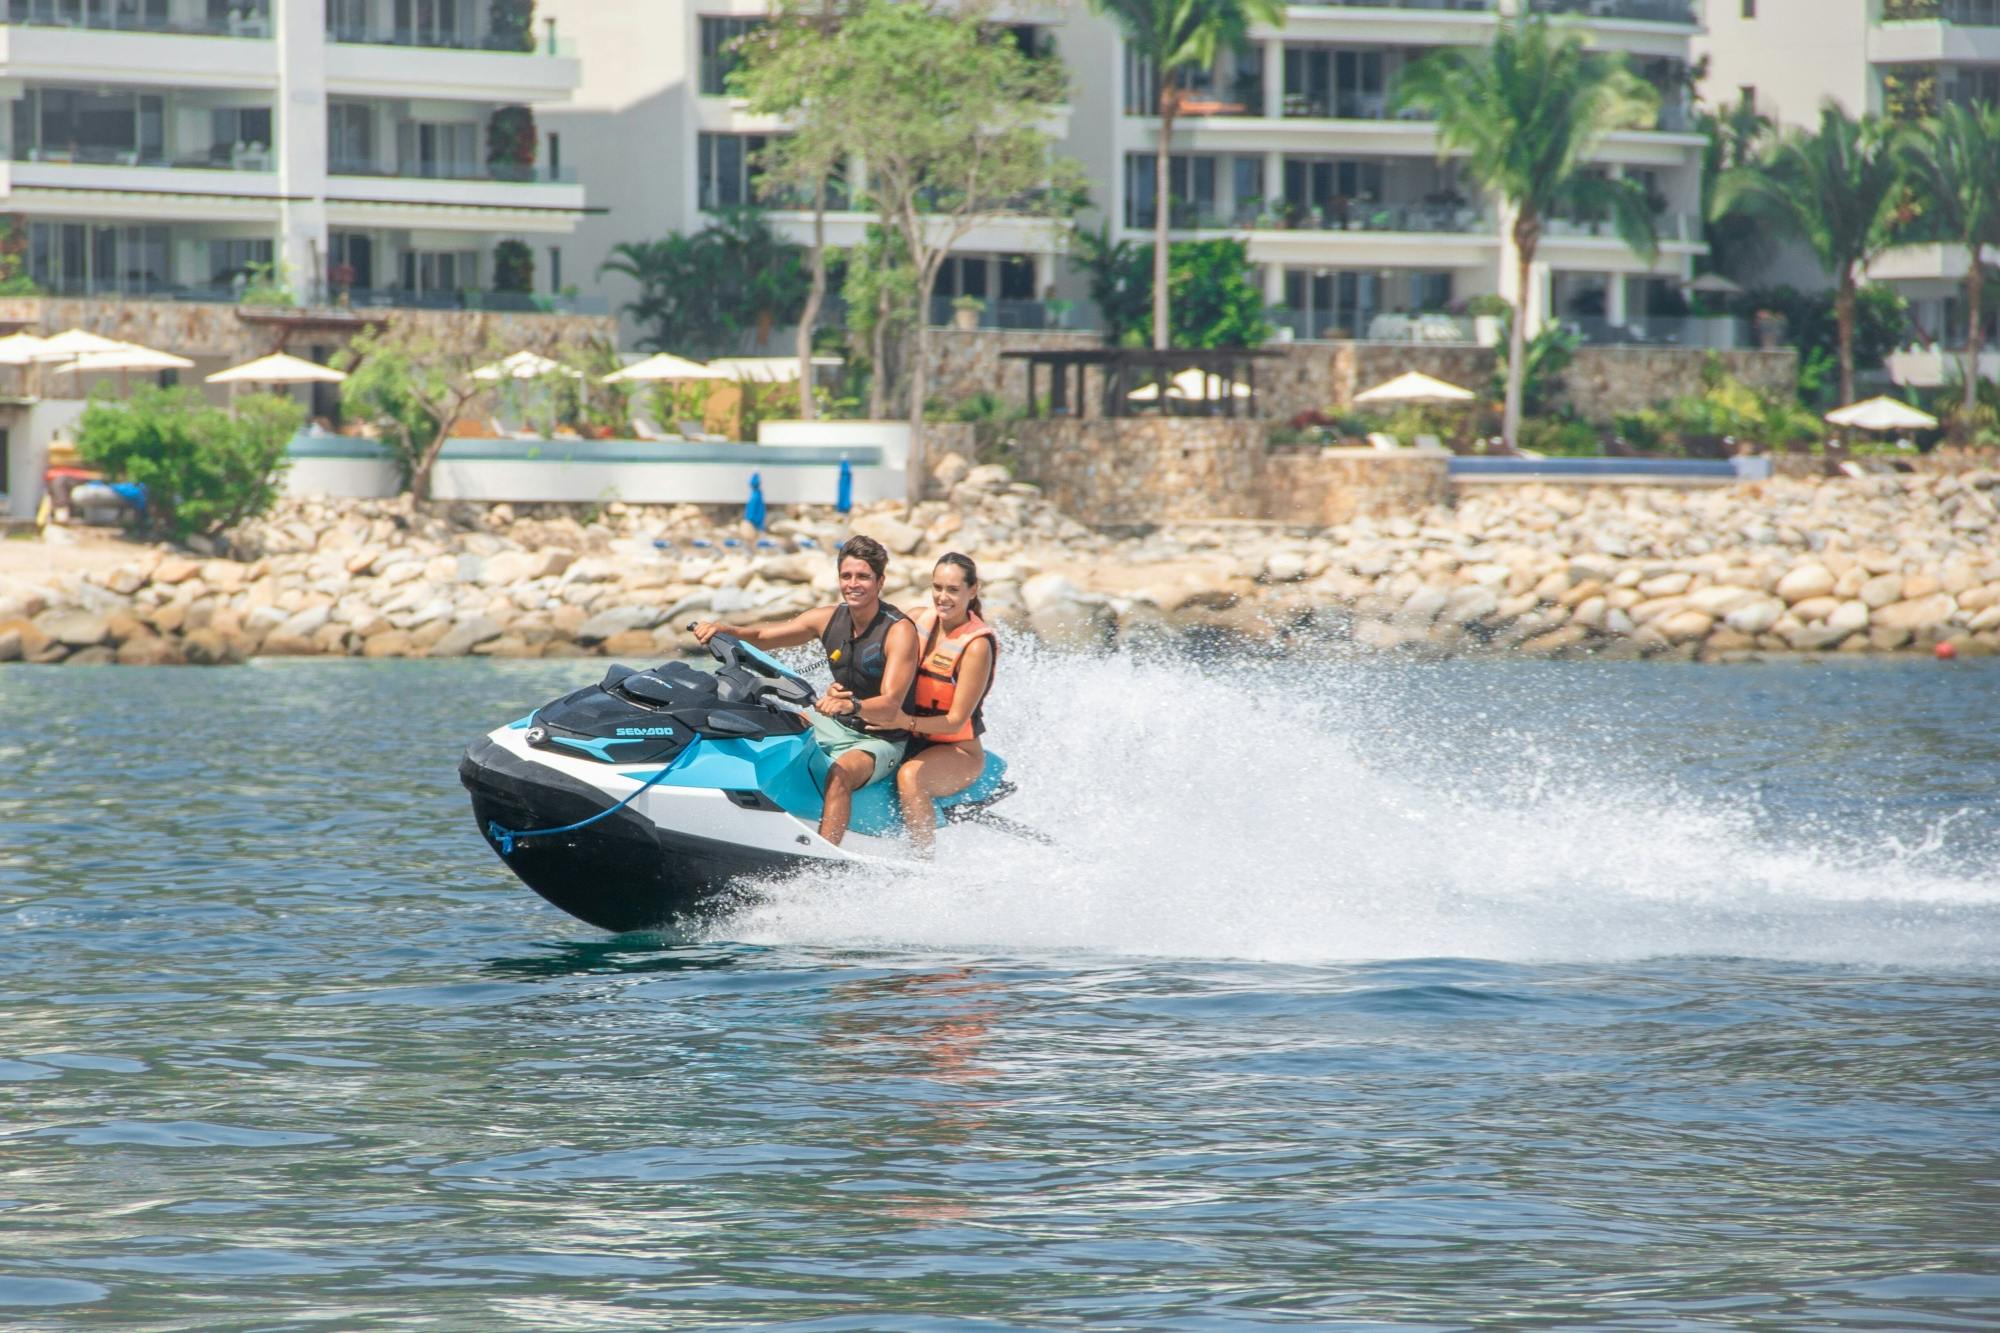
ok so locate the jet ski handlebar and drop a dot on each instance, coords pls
(731, 651)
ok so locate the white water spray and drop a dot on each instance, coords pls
(1259, 813)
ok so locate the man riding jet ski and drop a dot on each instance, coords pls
(635, 800)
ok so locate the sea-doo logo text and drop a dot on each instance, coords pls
(645, 731)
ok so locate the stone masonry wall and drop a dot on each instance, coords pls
(214, 332)
(1143, 470)
(1140, 470)
(1315, 376)
(1322, 487)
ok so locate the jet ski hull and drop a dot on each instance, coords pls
(626, 871)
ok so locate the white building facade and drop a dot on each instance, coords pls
(1882, 57)
(375, 151)
(1355, 225)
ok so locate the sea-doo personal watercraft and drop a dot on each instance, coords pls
(636, 800)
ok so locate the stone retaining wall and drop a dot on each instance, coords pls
(1322, 487)
(220, 333)
(1314, 376)
(1141, 470)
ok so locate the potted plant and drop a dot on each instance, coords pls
(1059, 312)
(965, 312)
(1770, 330)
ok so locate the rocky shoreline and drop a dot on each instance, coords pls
(1875, 564)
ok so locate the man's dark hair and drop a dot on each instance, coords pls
(859, 547)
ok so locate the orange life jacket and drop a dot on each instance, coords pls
(936, 683)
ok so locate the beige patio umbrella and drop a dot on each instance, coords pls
(21, 349)
(127, 358)
(1415, 387)
(1882, 414)
(525, 365)
(278, 368)
(75, 342)
(666, 366)
(1192, 385)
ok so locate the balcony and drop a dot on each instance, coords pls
(252, 18)
(1966, 13)
(491, 173)
(1354, 215)
(382, 298)
(1433, 6)
(1005, 314)
(1718, 333)
(1679, 13)
(388, 66)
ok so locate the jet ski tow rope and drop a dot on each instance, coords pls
(506, 837)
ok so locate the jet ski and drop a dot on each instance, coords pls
(638, 800)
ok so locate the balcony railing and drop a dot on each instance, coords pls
(1965, 13)
(1443, 219)
(1681, 13)
(248, 20)
(1720, 333)
(997, 314)
(441, 41)
(470, 298)
(1345, 106)
(216, 159)
(495, 173)
(1444, 6)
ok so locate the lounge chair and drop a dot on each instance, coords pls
(1386, 443)
(643, 429)
(691, 430)
(1430, 444)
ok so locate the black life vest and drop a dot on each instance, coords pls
(858, 661)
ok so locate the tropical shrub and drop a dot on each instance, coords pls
(204, 468)
(513, 267)
(510, 143)
(512, 25)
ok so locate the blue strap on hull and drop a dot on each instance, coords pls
(506, 837)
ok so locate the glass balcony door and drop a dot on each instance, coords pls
(432, 23)
(79, 258)
(78, 125)
(438, 151)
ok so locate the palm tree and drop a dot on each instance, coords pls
(1953, 164)
(1176, 37)
(1525, 113)
(1840, 190)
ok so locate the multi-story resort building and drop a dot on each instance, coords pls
(1292, 145)
(373, 151)
(1899, 58)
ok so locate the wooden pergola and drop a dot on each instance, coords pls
(1123, 369)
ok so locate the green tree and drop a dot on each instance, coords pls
(1216, 301)
(881, 292)
(1733, 137)
(1839, 189)
(1176, 38)
(1525, 113)
(413, 387)
(1953, 165)
(204, 469)
(1120, 278)
(675, 306)
(786, 72)
(1547, 355)
(952, 121)
(755, 275)
(1812, 324)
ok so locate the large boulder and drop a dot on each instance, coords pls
(465, 634)
(75, 629)
(1810, 579)
(1919, 614)
(616, 620)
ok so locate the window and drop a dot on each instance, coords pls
(1327, 191)
(347, 20)
(555, 156)
(1326, 81)
(442, 151)
(1749, 9)
(1332, 304)
(1430, 291)
(72, 125)
(230, 262)
(726, 170)
(231, 126)
(1142, 85)
(84, 259)
(718, 51)
(555, 270)
(438, 272)
(353, 256)
(1017, 278)
(1247, 185)
(350, 139)
(1190, 187)
(432, 22)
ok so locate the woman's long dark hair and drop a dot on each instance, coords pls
(963, 563)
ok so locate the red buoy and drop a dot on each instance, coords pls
(1944, 652)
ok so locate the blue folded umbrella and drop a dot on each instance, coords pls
(843, 499)
(753, 512)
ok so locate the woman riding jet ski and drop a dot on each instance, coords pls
(635, 800)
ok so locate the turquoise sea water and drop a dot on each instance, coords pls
(1620, 996)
